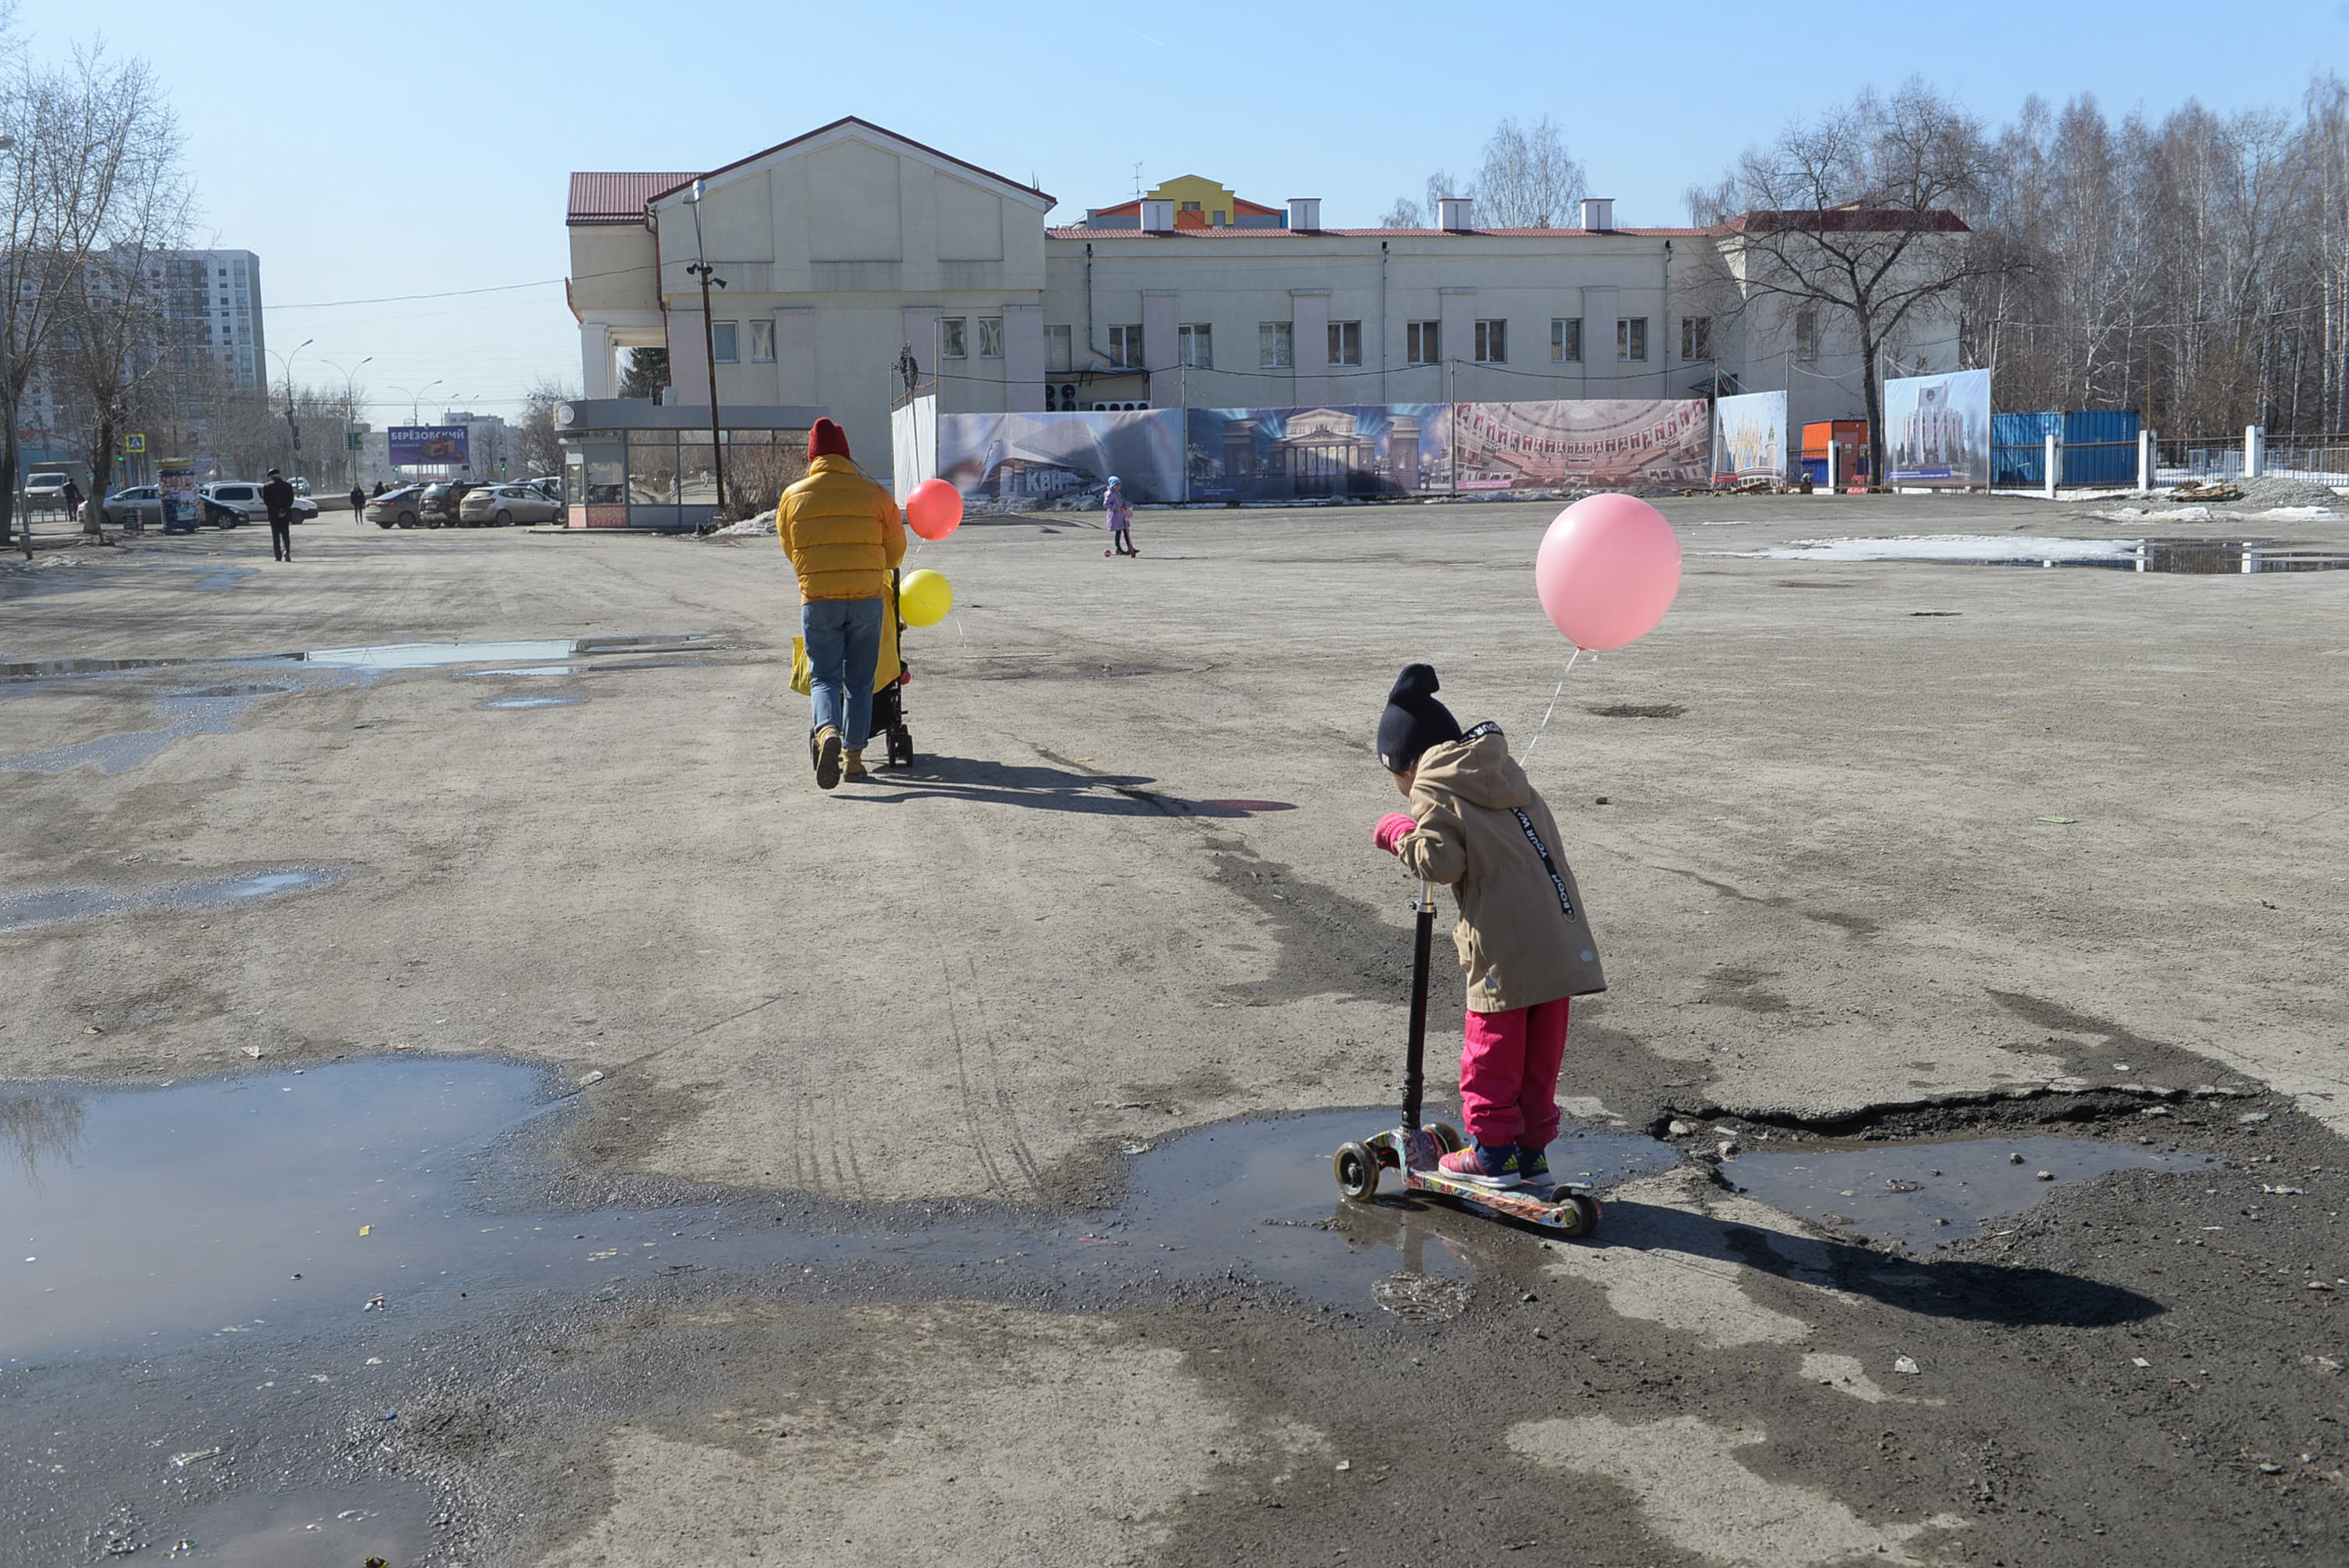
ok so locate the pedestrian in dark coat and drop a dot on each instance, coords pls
(277, 496)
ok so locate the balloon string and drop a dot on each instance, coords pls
(1552, 708)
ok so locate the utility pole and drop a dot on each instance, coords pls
(350, 415)
(285, 363)
(705, 271)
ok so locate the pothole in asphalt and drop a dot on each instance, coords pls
(277, 1203)
(1917, 1196)
(21, 911)
(533, 701)
(374, 1520)
(2205, 557)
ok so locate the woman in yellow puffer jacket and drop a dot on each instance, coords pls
(843, 536)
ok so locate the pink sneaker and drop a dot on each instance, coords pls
(1483, 1166)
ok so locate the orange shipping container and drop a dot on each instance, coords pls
(1848, 434)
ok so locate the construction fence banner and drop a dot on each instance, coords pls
(1596, 443)
(1937, 430)
(1359, 450)
(1750, 432)
(1287, 454)
(914, 443)
(1043, 457)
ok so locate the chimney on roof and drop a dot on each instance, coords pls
(1597, 212)
(1453, 212)
(1305, 212)
(1157, 216)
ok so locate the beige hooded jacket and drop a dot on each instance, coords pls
(1518, 945)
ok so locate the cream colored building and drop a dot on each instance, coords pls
(858, 262)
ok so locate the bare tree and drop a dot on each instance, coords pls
(1407, 213)
(542, 450)
(1528, 180)
(113, 341)
(1858, 215)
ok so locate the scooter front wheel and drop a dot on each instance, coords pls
(1448, 1136)
(1358, 1170)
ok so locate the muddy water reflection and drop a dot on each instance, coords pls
(21, 911)
(271, 1202)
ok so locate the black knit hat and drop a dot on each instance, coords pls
(1413, 720)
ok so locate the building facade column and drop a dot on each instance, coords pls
(795, 353)
(688, 358)
(1161, 345)
(1599, 313)
(1309, 345)
(1023, 357)
(1456, 309)
(595, 376)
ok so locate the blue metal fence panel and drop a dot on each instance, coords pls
(2099, 446)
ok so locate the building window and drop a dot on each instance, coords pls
(1345, 342)
(1125, 346)
(1566, 339)
(1492, 343)
(722, 344)
(1274, 348)
(1631, 337)
(762, 342)
(1059, 352)
(990, 337)
(1696, 337)
(1807, 334)
(1422, 342)
(954, 341)
(1198, 341)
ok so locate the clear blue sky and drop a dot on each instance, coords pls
(366, 150)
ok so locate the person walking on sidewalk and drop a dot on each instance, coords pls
(278, 497)
(358, 503)
(844, 536)
(1120, 519)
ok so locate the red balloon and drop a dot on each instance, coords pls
(933, 510)
(1608, 570)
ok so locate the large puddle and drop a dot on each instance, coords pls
(2201, 557)
(269, 1202)
(1920, 1196)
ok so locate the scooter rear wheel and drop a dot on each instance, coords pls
(1358, 1170)
(1581, 1215)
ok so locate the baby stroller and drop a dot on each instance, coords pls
(890, 676)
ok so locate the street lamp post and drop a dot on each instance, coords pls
(350, 411)
(704, 271)
(286, 363)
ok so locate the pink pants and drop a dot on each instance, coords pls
(1508, 1073)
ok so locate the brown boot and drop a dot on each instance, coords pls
(854, 771)
(827, 757)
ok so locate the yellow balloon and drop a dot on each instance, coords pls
(924, 597)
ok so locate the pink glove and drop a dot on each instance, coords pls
(1390, 829)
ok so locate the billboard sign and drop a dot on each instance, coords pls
(1285, 454)
(1576, 443)
(1753, 432)
(1042, 457)
(176, 486)
(422, 445)
(1937, 430)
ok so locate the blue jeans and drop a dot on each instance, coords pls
(843, 649)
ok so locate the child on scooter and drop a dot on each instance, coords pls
(1478, 826)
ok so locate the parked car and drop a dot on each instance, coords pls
(396, 507)
(228, 502)
(439, 505)
(551, 483)
(141, 504)
(301, 486)
(502, 506)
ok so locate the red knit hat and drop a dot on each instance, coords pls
(826, 439)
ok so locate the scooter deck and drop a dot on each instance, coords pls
(1411, 1154)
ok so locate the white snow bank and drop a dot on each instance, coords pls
(1945, 547)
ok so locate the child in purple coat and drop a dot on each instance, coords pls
(1120, 519)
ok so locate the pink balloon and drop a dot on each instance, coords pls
(1608, 570)
(933, 510)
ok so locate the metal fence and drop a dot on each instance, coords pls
(2322, 459)
(2178, 459)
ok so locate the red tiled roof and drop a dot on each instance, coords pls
(615, 198)
(677, 181)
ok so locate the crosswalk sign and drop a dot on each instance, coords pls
(134, 443)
